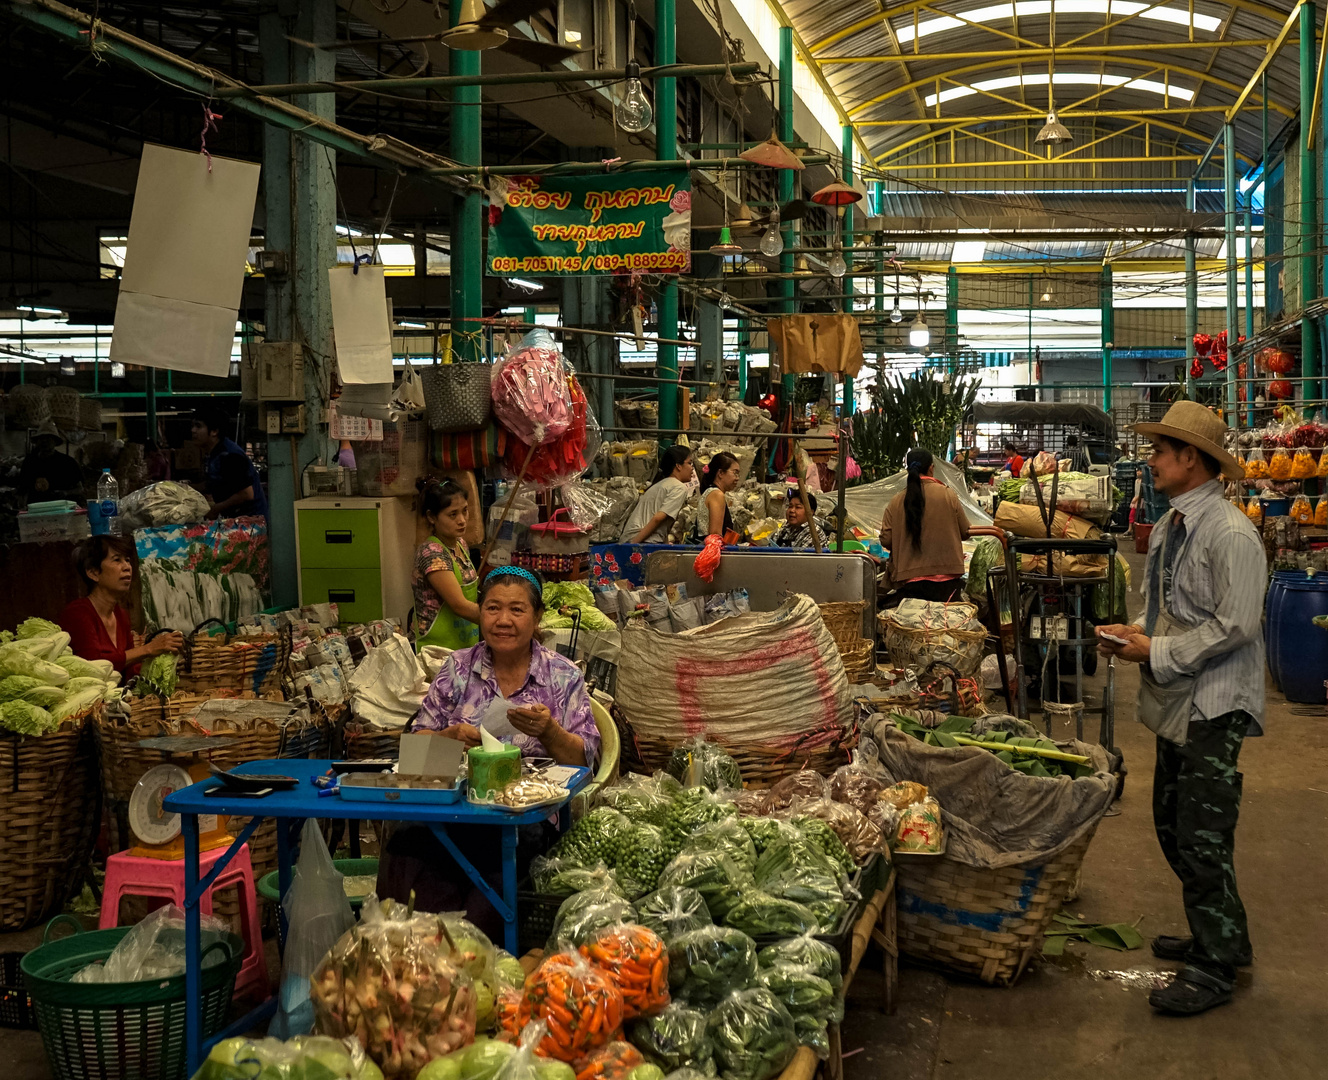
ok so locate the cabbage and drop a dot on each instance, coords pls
(34, 627)
(18, 661)
(6, 636)
(79, 668)
(25, 719)
(159, 674)
(77, 703)
(45, 646)
(76, 685)
(15, 686)
(44, 696)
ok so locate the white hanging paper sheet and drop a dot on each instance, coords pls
(184, 265)
(360, 326)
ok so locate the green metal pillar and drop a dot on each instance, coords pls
(299, 198)
(666, 149)
(1191, 310)
(1230, 234)
(878, 302)
(1249, 306)
(951, 343)
(467, 276)
(846, 150)
(786, 178)
(1108, 334)
(1309, 213)
(743, 348)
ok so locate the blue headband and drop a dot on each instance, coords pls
(516, 571)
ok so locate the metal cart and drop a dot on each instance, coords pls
(1053, 639)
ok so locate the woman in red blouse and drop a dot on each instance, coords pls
(98, 625)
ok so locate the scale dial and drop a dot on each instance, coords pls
(150, 822)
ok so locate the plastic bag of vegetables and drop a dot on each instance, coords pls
(675, 1038)
(305, 1057)
(855, 830)
(762, 915)
(580, 1004)
(637, 960)
(813, 1034)
(593, 839)
(613, 1061)
(580, 916)
(803, 784)
(507, 970)
(753, 1035)
(822, 837)
(691, 808)
(707, 965)
(762, 830)
(854, 785)
(562, 875)
(641, 798)
(392, 982)
(727, 836)
(805, 951)
(672, 911)
(716, 876)
(800, 990)
(641, 852)
(700, 763)
(792, 868)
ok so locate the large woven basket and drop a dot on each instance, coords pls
(984, 923)
(921, 647)
(251, 662)
(859, 658)
(365, 742)
(844, 620)
(50, 806)
(26, 406)
(89, 414)
(63, 402)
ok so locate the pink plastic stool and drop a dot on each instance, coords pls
(129, 875)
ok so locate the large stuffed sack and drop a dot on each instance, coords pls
(755, 680)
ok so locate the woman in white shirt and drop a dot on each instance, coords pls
(651, 520)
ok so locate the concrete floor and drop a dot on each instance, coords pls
(1086, 1014)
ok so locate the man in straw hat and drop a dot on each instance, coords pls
(1200, 653)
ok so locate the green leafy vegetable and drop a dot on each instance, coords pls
(15, 686)
(159, 674)
(26, 719)
(44, 696)
(77, 667)
(77, 703)
(14, 660)
(34, 627)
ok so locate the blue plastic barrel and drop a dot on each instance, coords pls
(1297, 650)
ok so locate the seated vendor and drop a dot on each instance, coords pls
(796, 532)
(924, 529)
(98, 624)
(652, 517)
(551, 714)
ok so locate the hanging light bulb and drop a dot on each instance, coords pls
(772, 243)
(897, 315)
(918, 334)
(724, 301)
(1046, 295)
(67, 366)
(837, 267)
(633, 113)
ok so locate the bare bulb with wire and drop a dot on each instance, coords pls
(772, 243)
(837, 267)
(633, 113)
(897, 315)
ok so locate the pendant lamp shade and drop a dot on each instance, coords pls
(1053, 132)
(726, 246)
(837, 194)
(468, 35)
(773, 154)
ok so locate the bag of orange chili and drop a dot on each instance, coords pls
(580, 1003)
(637, 960)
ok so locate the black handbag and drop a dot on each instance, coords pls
(458, 397)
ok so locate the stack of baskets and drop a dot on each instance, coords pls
(50, 808)
(63, 402)
(255, 663)
(955, 637)
(89, 414)
(26, 406)
(844, 621)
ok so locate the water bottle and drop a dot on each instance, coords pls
(108, 500)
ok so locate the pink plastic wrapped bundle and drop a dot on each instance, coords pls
(531, 397)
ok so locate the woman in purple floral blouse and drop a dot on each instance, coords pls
(551, 715)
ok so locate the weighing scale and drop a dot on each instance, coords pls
(157, 831)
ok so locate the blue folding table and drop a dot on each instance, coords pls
(291, 808)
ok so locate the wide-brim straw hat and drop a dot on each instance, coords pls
(1200, 427)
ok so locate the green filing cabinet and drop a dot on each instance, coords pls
(358, 554)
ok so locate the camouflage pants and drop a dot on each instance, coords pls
(1196, 801)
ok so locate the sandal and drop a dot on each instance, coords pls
(1192, 992)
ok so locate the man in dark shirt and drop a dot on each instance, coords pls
(232, 485)
(48, 474)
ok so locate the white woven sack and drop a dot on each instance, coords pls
(752, 679)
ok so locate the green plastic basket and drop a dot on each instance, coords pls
(120, 1031)
(268, 888)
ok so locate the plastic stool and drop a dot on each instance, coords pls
(129, 875)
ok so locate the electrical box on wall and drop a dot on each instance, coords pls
(272, 371)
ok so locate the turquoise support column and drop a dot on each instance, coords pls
(1309, 212)
(666, 149)
(1108, 334)
(951, 343)
(467, 276)
(1191, 310)
(1231, 236)
(1246, 355)
(846, 150)
(299, 199)
(786, 178)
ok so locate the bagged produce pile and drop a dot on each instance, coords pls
(1076, 493)
(42, 682)
(397, 984)
(305, 1057)
(753, 1035)
(579, 1003)
(164, 503)
(675, 1038)
(154, 949)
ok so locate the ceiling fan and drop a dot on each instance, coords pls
(479, 29)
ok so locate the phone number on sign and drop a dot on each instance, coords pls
(656, 262)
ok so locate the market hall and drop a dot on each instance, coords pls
(596, 541)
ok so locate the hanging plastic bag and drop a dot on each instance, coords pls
(530, 395)
(1321, 513)
(1254, 511)
(585, 506)
(408, 397)
(1256, 465)
(317, 913)
(1302, 466)
(561, 459)
(1301, 511)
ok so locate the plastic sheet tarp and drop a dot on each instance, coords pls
(866, 503)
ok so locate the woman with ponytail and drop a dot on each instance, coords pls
(923, 530)
(712, 516)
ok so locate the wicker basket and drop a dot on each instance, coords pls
(64, 405)
(89, 414)
(50, 807)
(252, 662)
(26, 406)
(365, 742)
(985, 923)
(921, 647)
(844, 620)
(859, 659)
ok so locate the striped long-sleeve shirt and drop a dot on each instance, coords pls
(1218, 581)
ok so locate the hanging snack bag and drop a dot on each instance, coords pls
(1256, 465)
(1254, 511)
(1301, 511)
(1279, 468)
(1321, 513)
(1302, 465)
